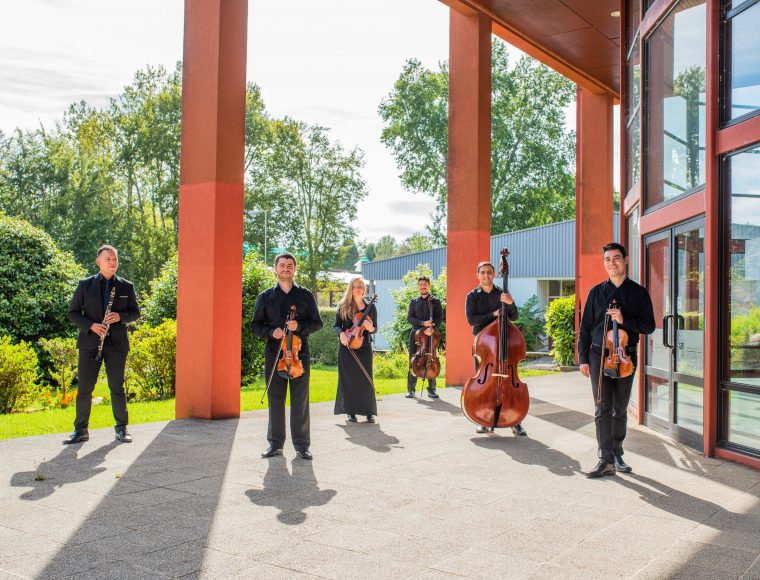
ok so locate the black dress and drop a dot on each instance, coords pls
(355, 396)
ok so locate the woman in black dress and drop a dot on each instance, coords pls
(356, 395)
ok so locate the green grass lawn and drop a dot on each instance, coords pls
(324, 381)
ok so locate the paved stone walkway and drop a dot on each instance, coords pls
(418, 495)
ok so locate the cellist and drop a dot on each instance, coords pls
(634, 314)
(483, 306)
(269, 316)
(426, 312)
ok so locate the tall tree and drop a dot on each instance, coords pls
(532, 154)
(315, 191)
(386, 247)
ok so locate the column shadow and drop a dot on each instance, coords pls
(371, 436)
(157, 517)
(65, 468)
(292, 494)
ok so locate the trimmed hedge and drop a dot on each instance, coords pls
(323, 345)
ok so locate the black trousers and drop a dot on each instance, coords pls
(299, 407)
(411, 380)
(88, 371)
(611, 415)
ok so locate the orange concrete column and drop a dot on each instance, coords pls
(209, 301)
(469, 180)
(593, 191)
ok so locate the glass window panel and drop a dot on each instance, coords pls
(743, 64)
(675, 132)
(634, 81)
(689, 407)
(658, 284)
(554, 291)
(690, 302)
(743, 419)
(744, 266)
(634, 245)
(633, 152)
(658, 397)
(633, 18)
(568, 287)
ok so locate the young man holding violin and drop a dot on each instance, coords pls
(426, 312)
(624, 302)
(482, 307)
(269, 323)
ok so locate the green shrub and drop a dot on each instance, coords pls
(531, 322)
(323, 345)
(63, 356)
(151, 364)
(399, 328)
(37, 281)
(18, 375)
(560, 326)
(162, 300)
(392, 365)
(257, 277)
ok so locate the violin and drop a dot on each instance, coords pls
(356, 332)
(617, 364)
(289, 366)
(425, 363)
(495, 396)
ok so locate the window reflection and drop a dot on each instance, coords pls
(744, 267)
(743, 66)
(676, 104)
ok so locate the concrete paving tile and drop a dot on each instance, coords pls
(475, 563)
(117, 571)
(720, 558)
(352, 537)
(553, 571)
(727, 519)
(653, 526)
(728, 537)
(663, 569)
(184, 559)
(537, 540)
(245, 568)
(753, 573)
(157, 495)
(15, 543)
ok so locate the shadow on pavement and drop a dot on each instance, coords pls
(371, 436)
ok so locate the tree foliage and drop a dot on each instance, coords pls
(532, 154)
(560, 326)
(37, 281)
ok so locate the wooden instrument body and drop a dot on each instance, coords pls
(425, 363)
(289, 365)
(617, 364)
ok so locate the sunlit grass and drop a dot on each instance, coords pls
(323, 383)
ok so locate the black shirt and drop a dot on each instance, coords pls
(271, 310)
(635, 306)
(419, 312)
(480, 306)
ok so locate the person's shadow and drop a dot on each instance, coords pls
(439, 405)
(371, 436)
(64, 468)
(531, 452)
(291, 494)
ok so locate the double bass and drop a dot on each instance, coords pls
(425, 363)
(495, 396)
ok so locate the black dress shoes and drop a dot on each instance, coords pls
(602, 468)
(481, 429)
(272, 452)
(432, 394)
(77, 437)
(123, 436)
(411, 394)
(371, 419)
(304, 454)
(351, 418)
(519, 430)
(621, 465)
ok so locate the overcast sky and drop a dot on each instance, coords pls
(327, 62)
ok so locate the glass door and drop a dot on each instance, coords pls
(674, 356)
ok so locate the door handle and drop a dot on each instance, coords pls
(666, 330)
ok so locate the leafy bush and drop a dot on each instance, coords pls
(560, 325)
(162, 300)
(323, 345)
(393, 365)
(18, 375)
(37, 281)
(257, 277)
(531, 322)
(151, 363)
(63, 356)
(399, 328)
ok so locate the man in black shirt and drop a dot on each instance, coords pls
(482, 307)
(426, 312)
(271, 310)
(87, 310)
(633, 313)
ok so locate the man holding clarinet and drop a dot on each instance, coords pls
(102, 306)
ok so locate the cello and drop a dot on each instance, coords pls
(425, 363)
(495, 396)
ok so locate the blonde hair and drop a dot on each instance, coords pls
(347, 306)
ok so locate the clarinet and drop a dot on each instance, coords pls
(108, 324)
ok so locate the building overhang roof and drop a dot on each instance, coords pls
(578, 38)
